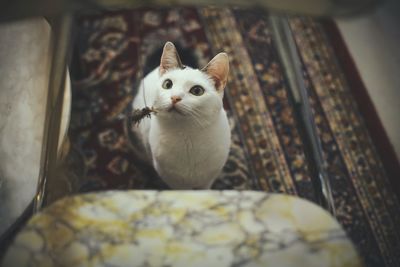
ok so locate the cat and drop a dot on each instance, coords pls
(188, 139)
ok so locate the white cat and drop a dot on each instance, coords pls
(188, 140)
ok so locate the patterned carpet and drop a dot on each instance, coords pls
(268, 152)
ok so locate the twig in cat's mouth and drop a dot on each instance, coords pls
(138, 114)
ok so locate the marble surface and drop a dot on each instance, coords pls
(182, 228)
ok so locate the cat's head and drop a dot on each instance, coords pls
(186, 93)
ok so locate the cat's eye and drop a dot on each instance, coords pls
(167, 84)
(197, 90)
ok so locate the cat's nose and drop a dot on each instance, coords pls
(175, 99)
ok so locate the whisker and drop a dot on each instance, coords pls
(195, 115)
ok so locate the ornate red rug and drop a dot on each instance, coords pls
(268, 152)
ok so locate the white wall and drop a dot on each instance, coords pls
(24, 75)
(374, 42)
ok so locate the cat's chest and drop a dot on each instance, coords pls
(184, 148)
(187, 158)
(181, 145)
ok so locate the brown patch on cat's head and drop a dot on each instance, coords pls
(218, 70)
(169, 58)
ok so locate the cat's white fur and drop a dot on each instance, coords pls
(188, 143)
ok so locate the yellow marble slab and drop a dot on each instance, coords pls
(182, 228)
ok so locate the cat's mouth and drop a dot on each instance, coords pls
(174, 109)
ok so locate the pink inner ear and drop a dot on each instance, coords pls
(218, 81)
(169, 58)
(218, 69)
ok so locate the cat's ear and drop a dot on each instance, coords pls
(218, 70)
(169, 58)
